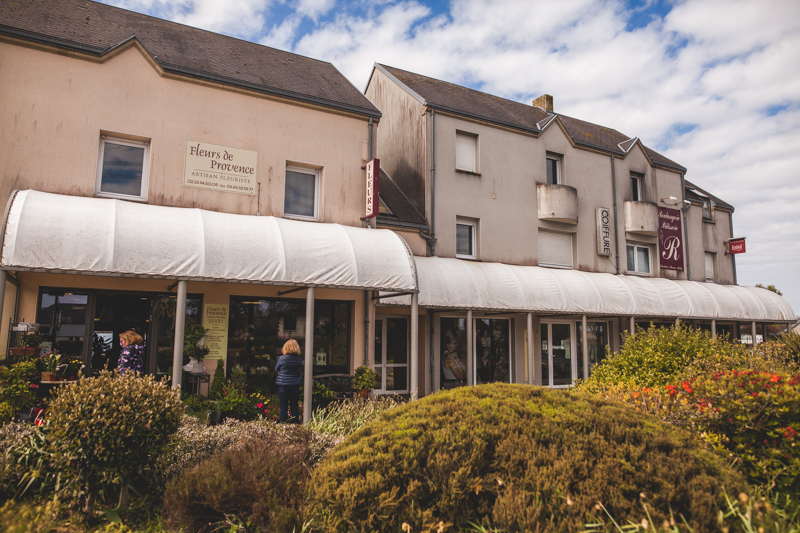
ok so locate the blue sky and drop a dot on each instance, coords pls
(712, 84)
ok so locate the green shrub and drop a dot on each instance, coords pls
(104, 429)
(236, 403)
(259, 483)
(6, 413)
(657, 356)
(751, 415)
(15, 385)
(215, 393)
(12, 435)
(196, 443)
(791, 340)
(344, 418)
(29, 517)
(198, 404)
(365, 378)
(519, 458)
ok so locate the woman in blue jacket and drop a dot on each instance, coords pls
(290, 376)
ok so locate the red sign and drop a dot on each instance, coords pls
(373, 178)
(670, 239)
(736, 247)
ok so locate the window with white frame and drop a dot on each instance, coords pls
(555, 249)
(122, 168)
(466, 238)
(639, 259)
(466, 152)
(301, 196)
(637, 182)
(553, 162)
(711, 267)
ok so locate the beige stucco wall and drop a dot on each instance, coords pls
(402, 140)
(705, 236)
(54, 108)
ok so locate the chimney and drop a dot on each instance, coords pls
(544, 102)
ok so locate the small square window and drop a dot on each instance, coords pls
(638, 259)
(637, 181)
(301, 197)
(553, 170)
(122, 169)
(466, 152)
(466, 238)
(708, 210)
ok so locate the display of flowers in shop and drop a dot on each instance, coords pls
(74, 368)
(54, 366)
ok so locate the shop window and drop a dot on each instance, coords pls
(62, 319)
(259, 327)
(391, 357)
(301, 197)
(555, 249)
(122, 168)
(597, 335)
(453, 353)
(492, 350)
(637, 184)
(466, 238)
(554, 170)
(466, 152)
(711, 267)
(638, 259)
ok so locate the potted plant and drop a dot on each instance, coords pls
(53, 366)
(73, 368)
(30, 345)
(364, 380)
(194, 347)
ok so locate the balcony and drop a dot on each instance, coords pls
(557, 203)
(641, 218)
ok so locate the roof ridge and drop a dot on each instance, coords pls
(146, 15)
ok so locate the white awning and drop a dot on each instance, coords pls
(56, 233)
(457, 284)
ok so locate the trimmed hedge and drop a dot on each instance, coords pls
(517, 458)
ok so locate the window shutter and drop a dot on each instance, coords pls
(709, 267)
(465, 152)
(555, 249)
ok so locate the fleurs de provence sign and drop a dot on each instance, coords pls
(220, 168)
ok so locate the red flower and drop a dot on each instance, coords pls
(34, 386)
(686, 387)
(775, 378)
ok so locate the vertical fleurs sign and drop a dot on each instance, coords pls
(670, 239)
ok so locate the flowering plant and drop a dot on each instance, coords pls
(74, 367)
(54, 362)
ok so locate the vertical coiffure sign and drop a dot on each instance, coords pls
(670, 239)
(220, 168)
(603, 231)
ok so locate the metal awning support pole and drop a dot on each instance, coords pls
(308, 370)
(677, 322)
(585, 341)
(470, 351)
(415, 346)
(632, 326)
(530, 349)
(3, 277)
(180, 328)
(713, 329)
(753, 331)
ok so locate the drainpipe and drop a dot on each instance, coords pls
(733, 257)
(3, 276)
(432, 238)
(616, 223)
(685, 207)
(367, 299)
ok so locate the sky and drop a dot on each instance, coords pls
(713, 85)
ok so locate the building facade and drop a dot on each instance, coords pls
(150, 167)
(549, 237)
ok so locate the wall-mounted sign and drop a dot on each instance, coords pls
(373, 178)
(603, 231)
(220, 168)
(735, 246)
(215, 319)
(670, 239)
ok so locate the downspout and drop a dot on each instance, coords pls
(367, 294)
(733, 256)
(684, 208)
(616, 223)
(432, 238)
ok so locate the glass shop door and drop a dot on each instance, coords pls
(391, 355)
(559, 363)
